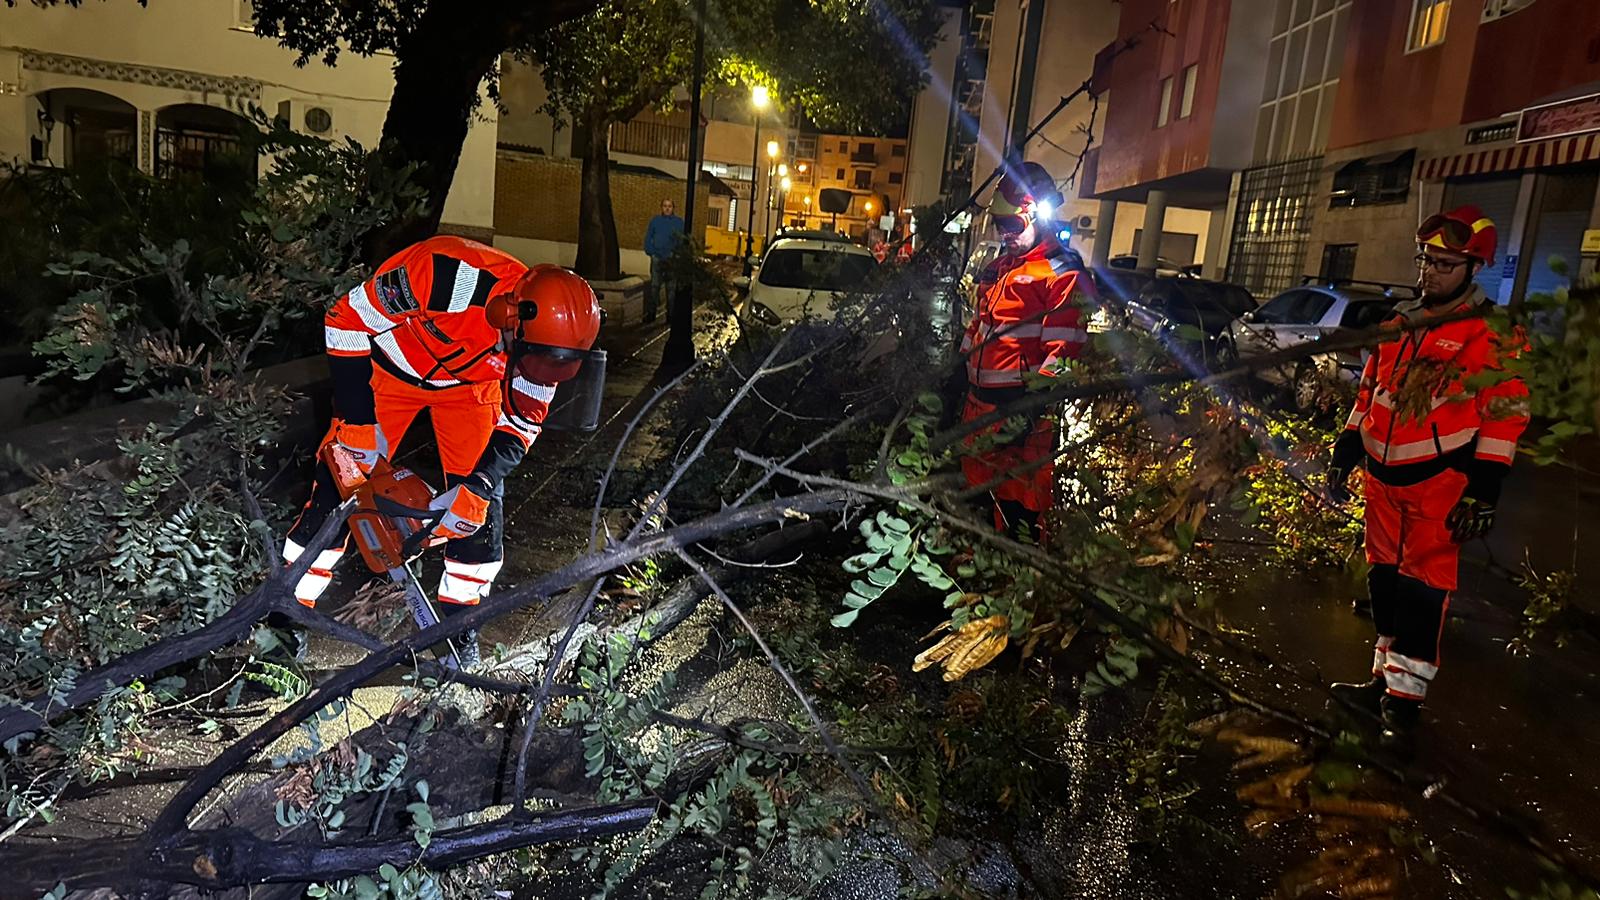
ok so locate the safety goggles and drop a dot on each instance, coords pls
(1455, 234)
(1010, 224)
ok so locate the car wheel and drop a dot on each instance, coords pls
(1305, 388)
(1226, 356)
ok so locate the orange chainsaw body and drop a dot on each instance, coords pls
(391, 508)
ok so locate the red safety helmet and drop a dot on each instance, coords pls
(1463, 230)
(1020, 194)
(554, 318)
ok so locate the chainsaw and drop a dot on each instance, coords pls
(392, 526)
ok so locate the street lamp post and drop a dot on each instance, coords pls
(783, 196)
(758, 102)
(772, 167)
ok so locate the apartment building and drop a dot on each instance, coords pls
(871, 169)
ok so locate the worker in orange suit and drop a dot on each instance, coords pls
(1028, 322)
(478, 339)
(1436, 438)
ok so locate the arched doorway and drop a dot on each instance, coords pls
(196, 140)
(78, 126)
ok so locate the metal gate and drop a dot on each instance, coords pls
(1272, 224)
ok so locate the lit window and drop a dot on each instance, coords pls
(1428, 19)
(1186, 105)
(1165, 112)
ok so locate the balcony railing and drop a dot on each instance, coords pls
(651, 139)
(865, 157)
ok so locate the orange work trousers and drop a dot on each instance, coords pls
(1032, 489)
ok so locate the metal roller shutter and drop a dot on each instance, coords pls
(1497, 197)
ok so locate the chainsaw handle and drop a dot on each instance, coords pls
(394, 508)
(428, 517)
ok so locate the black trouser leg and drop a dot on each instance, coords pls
(324, 499)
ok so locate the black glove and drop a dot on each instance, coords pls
(1473, 514)
(1347, 455)
(1469, 519)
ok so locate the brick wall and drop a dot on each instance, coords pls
(537, 197)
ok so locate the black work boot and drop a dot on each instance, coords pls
(1400, 718)
(467, 649)
(1366, 696)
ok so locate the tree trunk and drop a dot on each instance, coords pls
(436, 77)
(599, 257)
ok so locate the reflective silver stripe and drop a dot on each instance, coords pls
(391, 349)
(461, 291)
(998, 377)
(1356, 415)
(1056, 333)
(528, 430)
(311, 586)
(1402, 682)
(1380, 655)
(444, 382)
(346, 339)
(1423, 449)
(1385, 399)
(327, 559)
(467, 582)
(1030, 330)
(370, 315)
(1496, 448)
(533, 389)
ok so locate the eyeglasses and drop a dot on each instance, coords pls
(1438, 264)
(1456, 234)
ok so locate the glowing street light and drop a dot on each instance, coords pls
(783, 170)
(759, 98)
(869, 207)
(784, 184)
(772, 149)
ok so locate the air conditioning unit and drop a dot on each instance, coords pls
(306, 116)
(1083, 226)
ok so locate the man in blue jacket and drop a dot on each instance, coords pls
(661, 238)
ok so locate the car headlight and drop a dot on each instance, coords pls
(761, 313)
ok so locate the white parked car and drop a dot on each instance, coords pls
(802, 274)
(1310, 312)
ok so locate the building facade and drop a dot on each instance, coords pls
(734, 137)
(1034, 53)
(1496, 104)
(872, 170)
(1336, 126)
(165, 88)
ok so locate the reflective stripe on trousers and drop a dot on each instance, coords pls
(467, 583)
(315, 581)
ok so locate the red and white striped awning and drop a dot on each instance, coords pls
(1558, 152)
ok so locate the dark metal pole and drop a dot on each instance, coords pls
(750, 215)
(679, 352)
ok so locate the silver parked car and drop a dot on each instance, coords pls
(1310, 312)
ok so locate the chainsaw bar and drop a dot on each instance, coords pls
(422, 610)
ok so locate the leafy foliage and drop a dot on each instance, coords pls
(104, 558)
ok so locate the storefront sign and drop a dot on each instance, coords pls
(1559, 119)
(1508, 269)
(1591, 241)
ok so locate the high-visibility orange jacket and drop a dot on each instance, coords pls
(1414, 410)
(420, 318)
(1028, 317)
